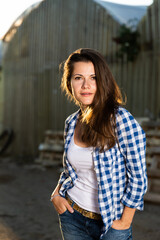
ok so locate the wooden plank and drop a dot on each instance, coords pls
(153, 150)
(153, 173)
(152, 197)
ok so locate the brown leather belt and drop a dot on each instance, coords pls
(84, 212)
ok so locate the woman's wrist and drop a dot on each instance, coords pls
(53, 196)
(127, 216)
(126, 223)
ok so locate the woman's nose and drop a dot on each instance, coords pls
(85, 83)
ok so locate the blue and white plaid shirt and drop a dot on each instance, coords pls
(120, 171)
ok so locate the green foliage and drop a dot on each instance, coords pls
(128, 41)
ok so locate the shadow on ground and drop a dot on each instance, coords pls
(27, 214)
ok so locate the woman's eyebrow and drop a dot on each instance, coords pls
(93, 74)
(77, 74)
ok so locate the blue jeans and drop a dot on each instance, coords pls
(75, 226)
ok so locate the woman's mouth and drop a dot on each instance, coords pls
(86, 94)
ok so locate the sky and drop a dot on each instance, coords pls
(10, 10)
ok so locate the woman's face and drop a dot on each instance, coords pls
(83, 83)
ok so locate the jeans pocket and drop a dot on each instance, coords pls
(64, 213)
(114, 234)
(122, 230)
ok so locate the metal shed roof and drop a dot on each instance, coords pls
(7, 37)
(124, 13)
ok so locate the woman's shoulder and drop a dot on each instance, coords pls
(123, 113)
(126, 120)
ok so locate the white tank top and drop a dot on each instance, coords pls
(85, 190)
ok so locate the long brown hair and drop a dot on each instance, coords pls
(99, 118)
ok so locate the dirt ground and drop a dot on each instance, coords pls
(27, 214)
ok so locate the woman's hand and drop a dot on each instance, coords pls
(120, 225)
(126, 219)
(61, 204)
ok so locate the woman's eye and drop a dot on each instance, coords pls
(77, 78)
(93, 78)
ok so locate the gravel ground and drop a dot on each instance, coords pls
(27, 214)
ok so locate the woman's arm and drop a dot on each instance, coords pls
(56, 190)
(60, 203)
(132, 144)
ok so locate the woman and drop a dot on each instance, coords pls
(104, 177)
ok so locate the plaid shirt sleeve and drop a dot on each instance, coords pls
(64, 175)
(68, 130)
(132, 143)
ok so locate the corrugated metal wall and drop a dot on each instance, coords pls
(33, 99)
(141, 79)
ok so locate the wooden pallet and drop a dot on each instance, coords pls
(51, 151)
(152, 129)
